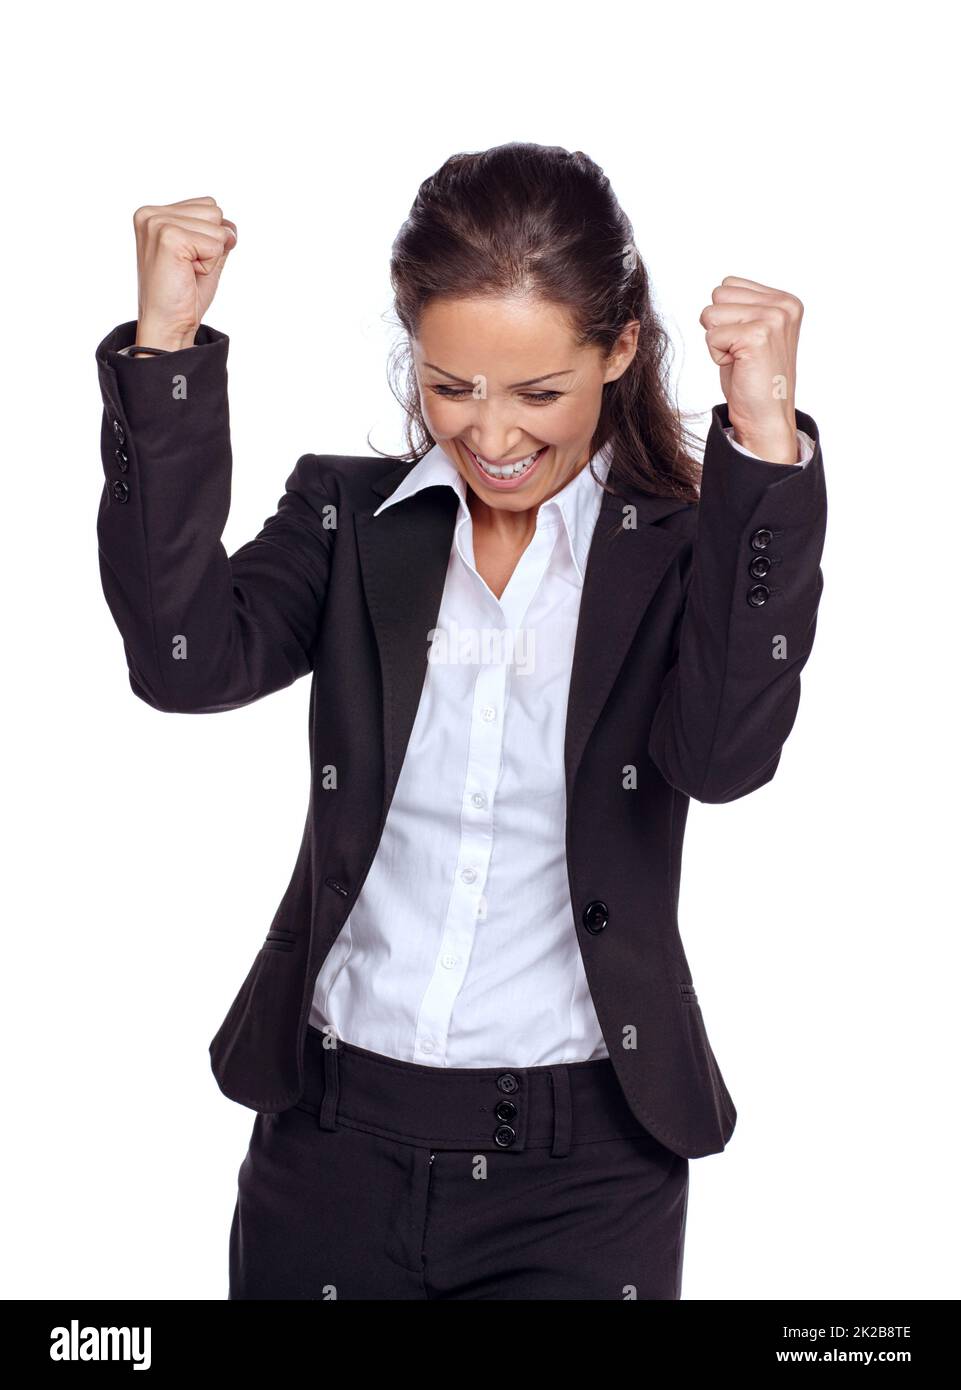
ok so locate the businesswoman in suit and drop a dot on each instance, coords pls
(471, 1035)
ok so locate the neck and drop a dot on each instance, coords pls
(508, 528)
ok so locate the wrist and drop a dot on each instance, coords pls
(171, 339)
(780, 447)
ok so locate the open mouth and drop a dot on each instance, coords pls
(506, 474)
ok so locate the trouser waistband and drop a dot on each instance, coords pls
(506, 1108)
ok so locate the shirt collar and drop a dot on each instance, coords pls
(577, 505)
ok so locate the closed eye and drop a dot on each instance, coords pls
(458, 393)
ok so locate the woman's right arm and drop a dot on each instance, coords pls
(202, 631)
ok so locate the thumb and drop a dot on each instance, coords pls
(208, 265)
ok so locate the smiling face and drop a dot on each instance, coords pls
(509, 396)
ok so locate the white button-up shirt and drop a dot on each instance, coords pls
(461, 949)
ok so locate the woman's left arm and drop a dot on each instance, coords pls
(752, 578)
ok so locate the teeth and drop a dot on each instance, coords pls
(513, 470)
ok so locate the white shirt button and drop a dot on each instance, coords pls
(488, 712)
(479, 800)
(448, 962)
(427, 1045)
(468, 875)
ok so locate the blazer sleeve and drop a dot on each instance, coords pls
(752, 585)
(202, 631)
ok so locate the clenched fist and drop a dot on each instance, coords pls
(752, 335)
(181, 250)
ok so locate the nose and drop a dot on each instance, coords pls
(500, 452)
(495, 443)
(493, 432)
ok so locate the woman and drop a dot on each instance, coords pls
(471, 1034)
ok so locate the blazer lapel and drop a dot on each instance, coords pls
(404, 554)
(624, 568)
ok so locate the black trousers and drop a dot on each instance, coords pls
(392, 1180)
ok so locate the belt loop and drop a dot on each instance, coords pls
(561, 1086)
(327, 1114)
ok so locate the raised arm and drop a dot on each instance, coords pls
(752, 587)
(202, 631)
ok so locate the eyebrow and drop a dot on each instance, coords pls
(532, 382)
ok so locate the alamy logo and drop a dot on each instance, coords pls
(486, 646)
(76, 1343)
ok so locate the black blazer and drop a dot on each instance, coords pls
(694, 627)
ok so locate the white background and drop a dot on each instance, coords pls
(808, 147)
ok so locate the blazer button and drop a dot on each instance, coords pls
(118, 431)
(120, 490)
(758, 595)
(505, 1109)
(123, 463)
(504, 1136)
(762, 539)
(508, 1083)
(596, 917)
(759, 566)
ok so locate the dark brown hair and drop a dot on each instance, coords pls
(538, 219)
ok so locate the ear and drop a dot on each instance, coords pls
(622, 353)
